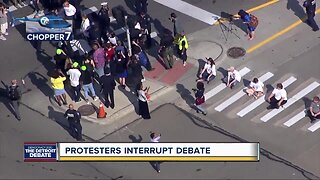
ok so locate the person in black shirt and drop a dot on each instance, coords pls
(74, 117)
(136, 75)
(310, 6)
(60, 59)
(108, 85)
(141, 6)
(121, 69)
(145, 24)
(86, 81)
(166, 49)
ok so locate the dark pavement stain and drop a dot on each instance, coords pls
(198, 169)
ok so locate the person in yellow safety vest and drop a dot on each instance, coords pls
(183, 46)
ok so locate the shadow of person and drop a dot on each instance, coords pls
(5, 100)
(131, 97)
(307, 102)
(131, 5)
(246, 82)
(269, 90)
(223, 71)
(201, 64)
(59, 118)
(296, 8)
(185, 94)
(158, 26)
(45, 60)
(153, 164)
(225, 25)
(134, 139)
(40, 82)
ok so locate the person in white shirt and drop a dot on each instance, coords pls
(74, 76)
(69, 10)
(143, 102)
(255, 88)
(155, 139)
(85, 25)
(233, 77)
(278, 97)
(208, 72)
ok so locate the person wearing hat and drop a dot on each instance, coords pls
(86, 81)
(60, 59)
(74, 77)
(108, 84)
(233, 77)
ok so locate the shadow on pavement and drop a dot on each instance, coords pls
(40, 81)
(131, 97)
(295, 6)
(59, 118)
(134, 139)
(185, 95)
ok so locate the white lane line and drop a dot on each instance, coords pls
(219, 88)
(259, 101)
(314, 127)
(240, 94)
(292, 100)
(295, 119)
(190, 10)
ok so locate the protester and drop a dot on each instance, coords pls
(255, 88)
(74, 76)
(233, 77)
(121, 69)
(314, 109)
(110, 52)
(3, 22)
(143, 102)
(85, 25)
(69, 10)
(108, 84)
(310, 6)
(200, 98)
(60, 59)
(99, 59)
(136, 75)
(15, 94)
(278, 97)
(74, 117)
(250, 20)
(57, 79)
(208, 72)
(87, 83)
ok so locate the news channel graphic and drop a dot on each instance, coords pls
(40, 152)
(158, 152)
(48, 28)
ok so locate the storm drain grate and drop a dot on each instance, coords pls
(86, 110)
(236, 52)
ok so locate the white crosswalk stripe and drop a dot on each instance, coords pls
(240, 94)
(295, 119)
(190, 10)
(314, 127)
(222, 86)
(261, 100)
(292, 100)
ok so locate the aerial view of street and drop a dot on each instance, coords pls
(188, 71)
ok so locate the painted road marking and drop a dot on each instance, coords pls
(278, 34)
(240, 94)
(295, 119)
(190, 10)
(219, 88)
(261, 100)
(292, 100)
(314, 127)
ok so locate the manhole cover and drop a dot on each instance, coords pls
(236, 52)
(86, 110)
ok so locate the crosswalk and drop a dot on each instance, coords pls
(267, 115)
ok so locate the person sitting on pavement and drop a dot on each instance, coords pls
(233, 77)
(208, 72)
(278, 97)
(255, 88)
(86, 80)
(200, 98)
(314, 109)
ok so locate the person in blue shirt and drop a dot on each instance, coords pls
(251, 22)
(310, 6)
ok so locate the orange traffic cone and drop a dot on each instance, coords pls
(102, 113)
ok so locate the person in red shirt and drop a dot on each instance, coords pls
(110, 52)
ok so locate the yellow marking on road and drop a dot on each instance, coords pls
(253, 9)
(285, 30)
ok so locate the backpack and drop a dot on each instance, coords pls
(254, 21)
(13, 93)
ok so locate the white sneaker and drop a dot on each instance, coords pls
(95, 98)
(24, 3)
(19, 5)
(143, 80)
(3, 38)
(184, 64)
(6, 33)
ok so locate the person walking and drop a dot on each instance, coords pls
(208, 72)
(3, 22)
(155, 138)
(57, 79)
(108, 84)
(74, 76)
(166, 49)
(143, 102)
(310, 6)
(183, 46)
(233, 77)
(15, 94)
(200, 98)
(86, 80)
(74, 117)
(250, 20)
(278, 97)
(255, 88)
(314, 109)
